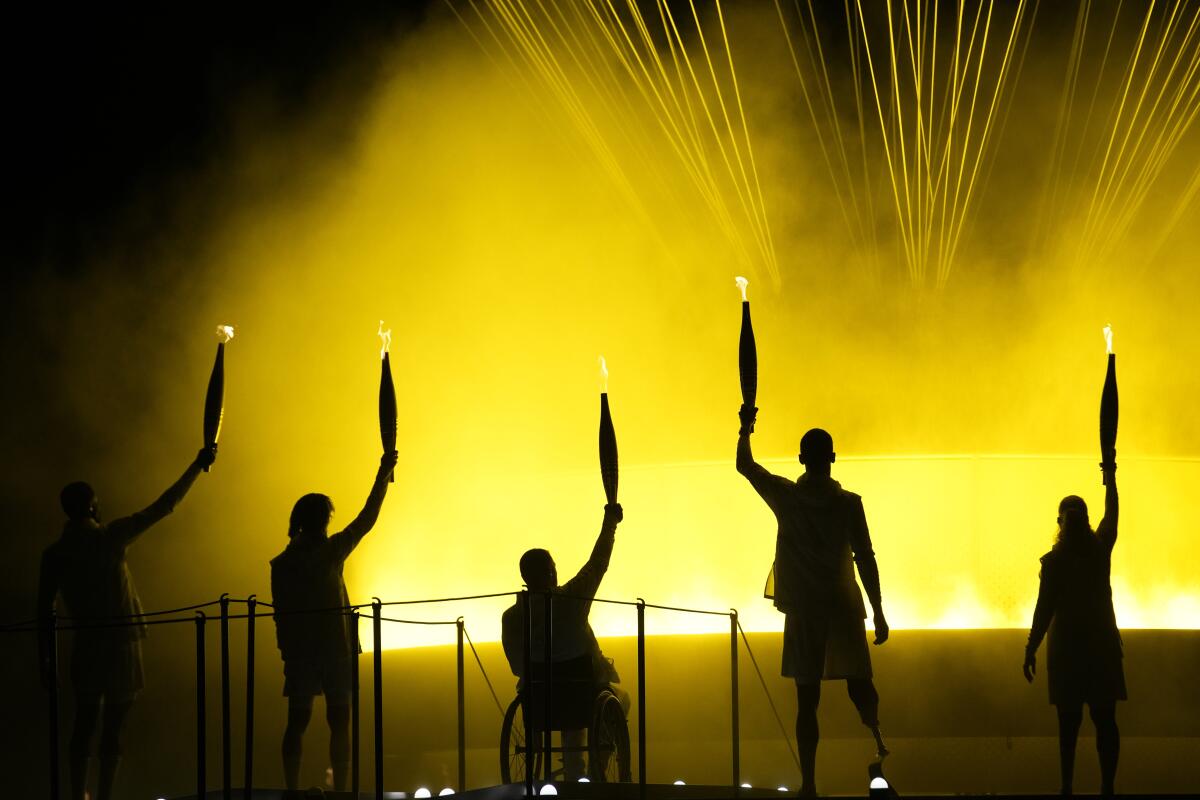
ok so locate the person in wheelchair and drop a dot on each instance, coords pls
(575, 649)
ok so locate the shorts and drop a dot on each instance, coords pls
(105, 665)
(828, 647)
(307, 678)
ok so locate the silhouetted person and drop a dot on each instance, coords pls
(87, 567)
(572, 633)
(319, 648)
(1083, 663)
(821, 528)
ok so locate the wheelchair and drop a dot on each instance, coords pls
(578, 703)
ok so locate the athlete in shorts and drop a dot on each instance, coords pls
(87, 567)
(822, 535)
(318, 640)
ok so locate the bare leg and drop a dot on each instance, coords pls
(299, 714)
(87, 714)
(808, 733)
(110, 745)
(1108, 744)
(337, 714)
(1069, 718)
(866, 700)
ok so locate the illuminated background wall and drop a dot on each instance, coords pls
(515, 199)
(512, 224)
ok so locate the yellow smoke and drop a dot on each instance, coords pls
(473, 218)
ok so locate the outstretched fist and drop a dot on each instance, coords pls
(206, 456)
(747, 415)
(613, 513)
(387, 462)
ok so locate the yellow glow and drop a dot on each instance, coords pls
(742, 283)
(603, 375)
(1108, 338)
(454, 165)
(224, 332)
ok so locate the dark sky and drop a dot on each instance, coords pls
(108, 105)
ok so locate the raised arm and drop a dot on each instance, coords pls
(1107, 529)
(587, 581)
(129, 528)
(746, 465)
(366, 519)
(768, 486)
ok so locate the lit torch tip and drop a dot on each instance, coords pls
(1108, 338)
(742, 283)
(385, 340)
(604, 374)
(224, 333)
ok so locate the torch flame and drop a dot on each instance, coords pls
(1108, 338)
(224, 333)
(604, 374)
(385, 340)
(742, 283)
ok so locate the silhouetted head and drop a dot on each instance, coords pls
(816, 451)
(1073, 518)
(79, 501)
(310, 517)
(538, 570)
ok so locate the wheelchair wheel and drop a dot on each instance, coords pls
(608, 742)
(512, 746)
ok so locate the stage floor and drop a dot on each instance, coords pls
(630, 791)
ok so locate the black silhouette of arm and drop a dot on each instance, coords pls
(587, 581)
(126, 529)
(864, 556)
(1107, 529)
(344, 542)
(768, 485)
(1043, 612)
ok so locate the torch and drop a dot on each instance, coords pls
(1108, 408)
(387, 396)
(608, 440)
(747, 353)
(214, 399)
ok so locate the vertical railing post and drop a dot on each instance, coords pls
(355, 776)
(50, 632)
(548, 675)
(377, 659)
(641, 668)
(735, 734)
(201, 706)
(525, 599)
(226, 734)
(248, 783)
(462, 710)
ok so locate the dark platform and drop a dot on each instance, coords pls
(629, 791)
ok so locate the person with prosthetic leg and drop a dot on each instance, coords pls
(822, 535)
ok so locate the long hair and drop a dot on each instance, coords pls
(310, 517)
(1074, 529)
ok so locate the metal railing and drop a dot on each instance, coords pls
(50, 626)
